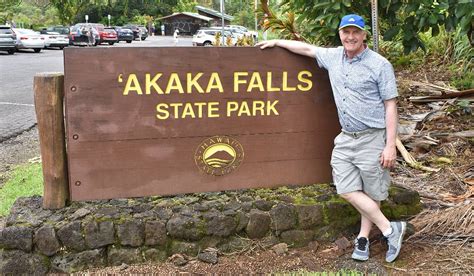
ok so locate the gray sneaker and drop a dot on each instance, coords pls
(361, 249)
(394, 240)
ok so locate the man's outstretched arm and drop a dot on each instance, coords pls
(296, 47)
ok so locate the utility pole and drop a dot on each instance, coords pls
(375, 27)
(256, 6)
(222, 16)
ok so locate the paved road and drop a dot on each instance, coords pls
(16, 81)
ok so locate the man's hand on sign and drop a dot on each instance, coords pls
(266, 44)
(388, 157)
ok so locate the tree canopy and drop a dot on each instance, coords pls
(399, 19)
(68, 12)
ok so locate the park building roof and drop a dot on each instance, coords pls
(190, 14)
(214, 13)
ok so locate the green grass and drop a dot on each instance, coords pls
(25, 180)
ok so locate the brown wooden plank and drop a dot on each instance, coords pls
(48, 94)
(118, 148)
(107, 125)
(148, 165)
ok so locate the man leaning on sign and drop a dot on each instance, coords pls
(364, 88)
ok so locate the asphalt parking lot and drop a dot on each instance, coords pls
(17, 112)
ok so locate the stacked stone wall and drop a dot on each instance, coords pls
(111, 232)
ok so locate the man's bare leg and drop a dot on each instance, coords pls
(369, 209)
(366, 225)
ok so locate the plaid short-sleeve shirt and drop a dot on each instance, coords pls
(360, 86)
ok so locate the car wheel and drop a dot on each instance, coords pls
(207, 44)
(11, 51)
(111, 43)
(37, 50)
(143, 38)
(129, 41)
(61, 47)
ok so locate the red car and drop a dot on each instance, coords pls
(108, 35)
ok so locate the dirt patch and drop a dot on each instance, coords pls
(414, 258)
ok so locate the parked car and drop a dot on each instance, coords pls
(63, 30)
(28, 39)
(244, 30)
(7, 39)
(124, 34)
(79, 34)
(100, 29)
(135, 30)
(236, 33)
(54, 39)
(207, 37)
(143, 32)
(109, 35)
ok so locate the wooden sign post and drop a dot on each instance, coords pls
(158, 121)
(49, 95)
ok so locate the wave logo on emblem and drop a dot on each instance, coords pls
(219, 155)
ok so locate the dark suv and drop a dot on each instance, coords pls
(60, 29)
(7, 39)
(136, 31)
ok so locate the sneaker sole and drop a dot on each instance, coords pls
(399, 243)
(359, 258)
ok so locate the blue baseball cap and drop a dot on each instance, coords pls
(352, 20)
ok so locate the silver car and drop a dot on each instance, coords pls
(7, 39)
(54, 39)
(28, 39)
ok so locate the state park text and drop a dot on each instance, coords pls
(161, 84)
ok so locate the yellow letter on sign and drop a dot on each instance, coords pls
(149, 83)
(304, 80)
(174, 83)
(214, 83)
(238, 81)
(132, 85)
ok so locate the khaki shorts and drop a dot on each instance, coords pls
(356, 164)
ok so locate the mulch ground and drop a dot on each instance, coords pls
(414, 258)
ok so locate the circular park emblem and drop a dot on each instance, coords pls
(219, 155)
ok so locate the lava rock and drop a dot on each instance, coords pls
(46, 241)
(71, 236)
(259, 224)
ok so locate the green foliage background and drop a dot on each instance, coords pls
(401, 20)
(39, 13)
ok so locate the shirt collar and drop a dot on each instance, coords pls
(358, 56)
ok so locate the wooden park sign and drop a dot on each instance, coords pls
(160, 121)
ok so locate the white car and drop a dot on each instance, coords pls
(244, 30)
(207, 37)
(28, 39)
(236, 33)
(54, 39)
